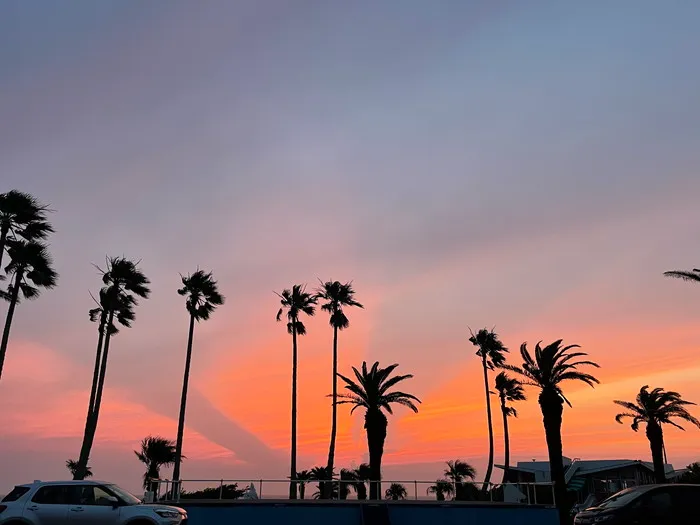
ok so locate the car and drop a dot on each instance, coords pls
(82, 503)
(676, 504)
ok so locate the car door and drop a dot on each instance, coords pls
(93, 506)
(49, 505)
(654, 508)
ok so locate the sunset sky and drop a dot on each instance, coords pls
(528, 165)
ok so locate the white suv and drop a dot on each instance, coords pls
(82, 503)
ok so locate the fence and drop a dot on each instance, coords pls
(231, 489)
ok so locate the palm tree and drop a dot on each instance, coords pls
(321, 475)
(442, 488)
(491, 351)
(361, 475)
(509, 389)
(72, 466)
(303, 477)
(295, 302)
(396, 491)
(336, 295)
(547, 370)
(32, 268)
(692, 275)
(203, 297)
(21, 216)
(124, 283)
(371, 392)
(458, 472)
(691, 474)
(656, 408)
(156, 452)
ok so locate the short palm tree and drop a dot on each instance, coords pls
(362, 475)
(123, 283)
(371, 392)
(72, 466)
(295, 302)
(156, 452)
(656, 408)
(509, 389)
(491, 351)
(396, 491)
(458, 472)
(547, 370)
(687, 275)
(202, 298)
(335, 296)
(21, 217)
(322, 475)
(441, 489)
(303, 477)
(31, 269)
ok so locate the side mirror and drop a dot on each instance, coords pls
(113, 501)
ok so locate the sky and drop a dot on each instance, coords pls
(525, 165)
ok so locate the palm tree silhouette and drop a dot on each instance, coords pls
(361, 475)
(72, 466)
(32, 269)
(509, 389)
(124, 283)
(321, 474)
(303, 477)
(396, 491)
(335, 296)
(203, 298)
(551, 366)
(692, 275)
(21, 216)
(371, 392)
(491, 351)
(295, 302)
(458, 472)
(656, 408)
(442, 488)
(156, 452)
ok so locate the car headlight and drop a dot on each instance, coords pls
(167, 513)
(603, 518)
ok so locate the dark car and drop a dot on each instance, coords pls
(646, 505)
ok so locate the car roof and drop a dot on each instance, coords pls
(66, 482)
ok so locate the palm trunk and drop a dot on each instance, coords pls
(14, 296)
(655, 437)
(91, 425)
(375, 424)
(293, 452)
(334, 420)
(183, 404)
(489, 468)
(506, 441)
(302, 490)
(4, 230)
(552, 410)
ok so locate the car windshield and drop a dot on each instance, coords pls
(620, 499)
(123, 495)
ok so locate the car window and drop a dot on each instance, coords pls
(92, 495)
(15, 494)
(658, 503)
(687, 500)
(53, 495)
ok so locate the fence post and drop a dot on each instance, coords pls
(415, 487)
(534, 492)
(527, 489)
(260, 495)
(221, 490)
(554, 495)
(491, 485)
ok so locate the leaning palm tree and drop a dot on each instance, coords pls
(295, 302)
(335, 296)
(72, 466)
(31, 269)
(509, 389)
(371, 392)
(458, 472)
(396, 491)
(442, 488)
(203, 298)
(692, 275)
(156, 452)
(656, 408)
(547, 370)
(21, 216)
(491, 351)
(123, 283)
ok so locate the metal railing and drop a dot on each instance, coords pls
(529, 493)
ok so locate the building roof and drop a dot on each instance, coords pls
(583, 467)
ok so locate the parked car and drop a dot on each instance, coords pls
(82, 503)
(646, 505)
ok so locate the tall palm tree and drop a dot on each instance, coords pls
(72, 466)
(32, 269)
(156, 452)
(509, 389)
(547, 370)
(692, 275)
(458, 472)
(371, 392)
(335, 296)
(123, 284)
(491, 351)
(295, 302)
(203, 298)
(442, 488)
(396, 491)
(303, 477)
(21, 216)
(656, 408)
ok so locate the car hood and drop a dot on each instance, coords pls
(156, 506)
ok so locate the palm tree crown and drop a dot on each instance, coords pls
(156, 452)
(692, 275)
(337, 295)
(657, 406)
(459, 470)
(396, 491)
(31, 264)
(202, 294)
(72, 466)
(509, 389)
(296, 301)
(490, 347)
(442, 488)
